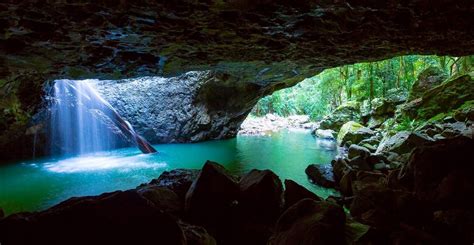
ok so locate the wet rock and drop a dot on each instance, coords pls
(261, 195)
(354, 133)
(340, 167)
(325, 133)
(295, 192)
(321, 174)
(428, 79)
(177, 180)
(212, 197)
(360, 163)
(358, 151)
(111, 218)
(163, 198)
(197, 235)
(310, 222)
(443, 172)
(402, 142)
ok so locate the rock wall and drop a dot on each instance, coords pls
(187, 108)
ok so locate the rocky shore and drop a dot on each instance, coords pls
(271, 123)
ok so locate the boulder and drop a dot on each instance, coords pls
(295, 192)
(353, 132)
(364, 179)
(443, 172)
(177, 180)
(310, 222)
(212, 197)
(345, 184)
(261, 195)
(465, 112)
(122, 217)
(356, 151)
(2, 214)
(324, 133)
(385, 208)
(321, 174)
(428, 79)
(402, 142)
(360, 163)
(163, 198)
(454, 226)
(443, 98)
(339, 168)
(197, 235)
(344, 113)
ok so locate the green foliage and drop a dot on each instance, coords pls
(319, 95)
(406, 124)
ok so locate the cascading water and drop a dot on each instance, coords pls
(83, 122)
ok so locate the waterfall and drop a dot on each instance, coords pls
(83, 122)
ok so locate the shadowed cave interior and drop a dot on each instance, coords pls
(237, 122)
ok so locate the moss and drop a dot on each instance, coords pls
(446, 97)
(346, 128)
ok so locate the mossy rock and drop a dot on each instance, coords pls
(349, 111)
(353, 132)
(444, 98)
(428, 78)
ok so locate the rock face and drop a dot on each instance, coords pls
(271, 46)
(178, 109)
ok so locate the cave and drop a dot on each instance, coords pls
(130, 122)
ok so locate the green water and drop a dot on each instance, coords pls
(39, 184)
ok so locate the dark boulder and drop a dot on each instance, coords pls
(356, 151)
(1, 213)
(163, 198)
(364, 179)
(386, 208)
(212, 197)
(360, 163)
(443, 172)
(321, 174)
(112, 218)
(177, 180)
(310, 222)
(261, 195)
(340, 168)
(196, 235)
(295, 192)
